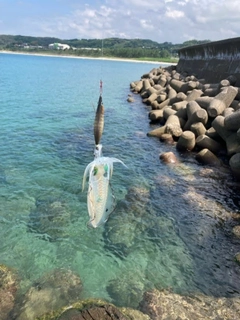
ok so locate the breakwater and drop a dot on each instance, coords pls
(212, 61)
(195, 114)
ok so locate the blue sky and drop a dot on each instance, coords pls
(174, 21)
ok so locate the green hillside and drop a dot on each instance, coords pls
(109, 47)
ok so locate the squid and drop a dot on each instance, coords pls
(100, 199)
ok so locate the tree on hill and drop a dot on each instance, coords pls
(116, 47)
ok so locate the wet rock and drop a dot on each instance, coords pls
(130, 99)
(236, 231)
(8, 290)
(134, 314)
(94, 309)
(167, 138)
(106, 312)
(126, 290)
(166, 305)
(168, 157)
(51, 292)
(237, 257)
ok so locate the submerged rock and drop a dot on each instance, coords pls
(169, 264)
(51, 292)
(72, 144)
(49, 218)
(166, 305)
(126, 290)
(8, 289)
(125, 225)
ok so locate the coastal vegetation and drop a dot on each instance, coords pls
(139, 49)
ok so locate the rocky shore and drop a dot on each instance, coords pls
(196, 115)
(57, 296)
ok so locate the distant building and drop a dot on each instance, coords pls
(59, 46)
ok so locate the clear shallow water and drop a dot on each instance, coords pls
(165, 231)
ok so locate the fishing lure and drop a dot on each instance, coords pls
(100, 200)
(99, 121)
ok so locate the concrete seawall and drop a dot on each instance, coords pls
(212, 61)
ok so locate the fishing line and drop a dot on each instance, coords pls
(101, 68)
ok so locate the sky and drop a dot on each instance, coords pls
(173, 21)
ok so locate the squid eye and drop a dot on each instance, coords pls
(105, 170)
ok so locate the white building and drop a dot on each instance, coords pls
(59, 46)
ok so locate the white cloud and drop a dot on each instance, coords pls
(175, 14)
(183, 2)
(146, 24)
(169, 20)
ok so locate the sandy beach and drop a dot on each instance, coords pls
(90, 58)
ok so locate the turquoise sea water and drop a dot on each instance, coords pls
(165, 232)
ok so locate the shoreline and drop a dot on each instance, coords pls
(90, 58)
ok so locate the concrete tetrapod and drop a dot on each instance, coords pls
(235, 165)
(204, 102)
(205, 156)
(232, 121)
(195, 114)
(222, 101)
(230, 137)
(172, 126)
(206, 142)
(186, 141)
(198, 128)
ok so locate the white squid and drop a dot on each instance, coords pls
(100, 200)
